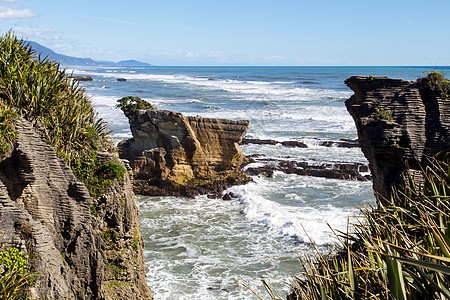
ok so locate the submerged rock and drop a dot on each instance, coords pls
(326, 169)
(258, 142)
(344, 143)
(78, 250)
(293, 144)
(173, 154)
(400, 124)
(83, 78)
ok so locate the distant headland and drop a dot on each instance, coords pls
(77, 61)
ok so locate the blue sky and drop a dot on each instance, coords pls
(245, 32)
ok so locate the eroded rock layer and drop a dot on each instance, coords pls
(400, 124)
(172, 154)
(77, 250)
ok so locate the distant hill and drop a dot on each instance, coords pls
(76, 61)
(132, 63)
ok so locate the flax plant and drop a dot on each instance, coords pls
(38, 90)
(399, 249)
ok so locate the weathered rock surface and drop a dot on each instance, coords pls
(399, 124)
(173, 154)
(79, 251)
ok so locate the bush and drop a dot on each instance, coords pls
(130, 104)
(38, 90)
(382, 114)
(7, 131)
(15, 277)
(437, 84)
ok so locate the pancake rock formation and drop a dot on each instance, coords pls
(77, 251)
(173, 154)
(400, 124)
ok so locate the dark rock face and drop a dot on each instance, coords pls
(399, 124)
(172, 154)
(46, 212)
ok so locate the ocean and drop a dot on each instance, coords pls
(209, 248)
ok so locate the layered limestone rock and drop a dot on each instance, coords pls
(80, 249)
(400, 124)
(173, 154)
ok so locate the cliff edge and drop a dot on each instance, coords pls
(77, 247)
(400, 124)
(173, 154)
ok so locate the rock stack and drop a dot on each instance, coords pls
(173, 154)
(400, 125)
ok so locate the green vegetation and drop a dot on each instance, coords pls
(437, 83)
(110, 237)
(399, 250)
(15, 277)
(382, 114)
(7, 131)
(130, 104)
(12, 259)
(37, 90)
(97, 176)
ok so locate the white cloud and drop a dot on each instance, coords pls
(47, 37)
(57, 42)
(8, 1)
(8, 13)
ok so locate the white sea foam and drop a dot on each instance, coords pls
(260, 89)
(293, 219)
(203, 248)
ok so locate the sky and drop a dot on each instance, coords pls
(239, 32)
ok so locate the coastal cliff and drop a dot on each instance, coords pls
(400, 125)
(173, 154)
(78, 248)
(69, 220)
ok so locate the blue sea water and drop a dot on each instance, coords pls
(207, 248)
